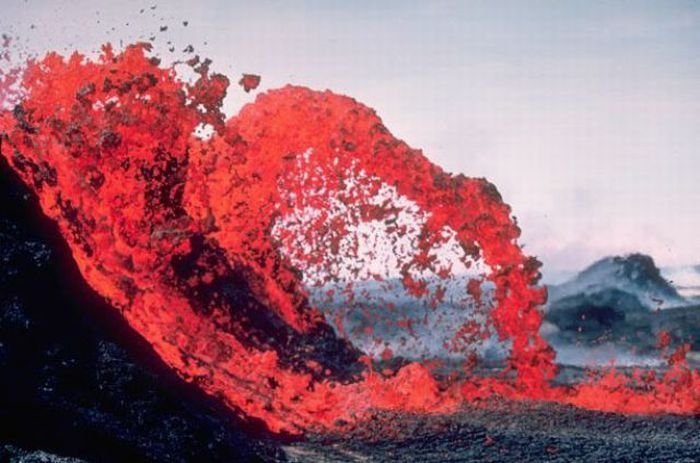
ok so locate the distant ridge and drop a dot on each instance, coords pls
(634, 274)
(615, 301)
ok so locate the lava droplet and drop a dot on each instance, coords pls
(249, 82)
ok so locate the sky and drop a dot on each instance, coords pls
(585, 114)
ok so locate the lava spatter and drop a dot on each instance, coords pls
(216, 250)
(249, 82)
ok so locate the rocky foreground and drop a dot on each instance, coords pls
(517, 433)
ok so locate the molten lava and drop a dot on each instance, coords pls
(213, 248)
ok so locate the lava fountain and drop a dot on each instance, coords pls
(240, 256)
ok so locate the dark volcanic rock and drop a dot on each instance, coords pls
(589, 321)
(75, 380)
(594, 317)
(12, 453)
(515, 432)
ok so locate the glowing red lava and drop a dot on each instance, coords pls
(210, 248)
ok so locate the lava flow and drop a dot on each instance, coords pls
(242, 257)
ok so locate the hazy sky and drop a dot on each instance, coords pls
(585, 114)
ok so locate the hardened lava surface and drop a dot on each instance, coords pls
(515, 432)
